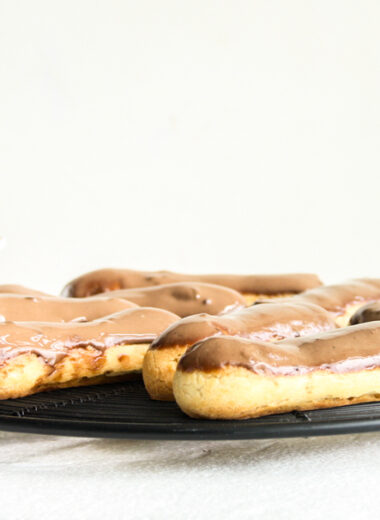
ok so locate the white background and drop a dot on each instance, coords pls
(196, 136)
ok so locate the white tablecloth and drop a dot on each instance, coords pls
(77, 478)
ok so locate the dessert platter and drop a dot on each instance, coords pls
(162, 355)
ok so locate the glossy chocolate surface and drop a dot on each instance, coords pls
(335, 298)
(266, 322)
(342, 350)
(16, 307)
(115, 279)
(185, 298)
(52, 341)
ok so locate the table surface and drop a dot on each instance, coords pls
(64, 477)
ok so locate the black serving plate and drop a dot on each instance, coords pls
(124, 410)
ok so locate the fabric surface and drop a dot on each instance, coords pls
(49, 477)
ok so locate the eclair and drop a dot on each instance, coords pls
(234, 378)
(269, 322)
(16, 307)
(39, 356)
(252, 287)
(342, 300)
(185, 298)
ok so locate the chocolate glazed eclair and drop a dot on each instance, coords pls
(252, 287)
(328, 304)
(234, 378)
(267, 322)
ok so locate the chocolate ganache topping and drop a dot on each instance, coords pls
(185, 298)
(266, 322)
(343, 350)
(52, 341)
(114, 279)
(335, 298)
(15, 307)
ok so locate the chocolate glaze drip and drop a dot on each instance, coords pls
(185, 299)
(265, 322)
(342, 350)
(369, 312)
(114, 279)
(52, 341)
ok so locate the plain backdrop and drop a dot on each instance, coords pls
(238, 136)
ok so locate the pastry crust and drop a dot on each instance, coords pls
(159, 367)
(237, 393)
(28, 373)
(252, 298)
